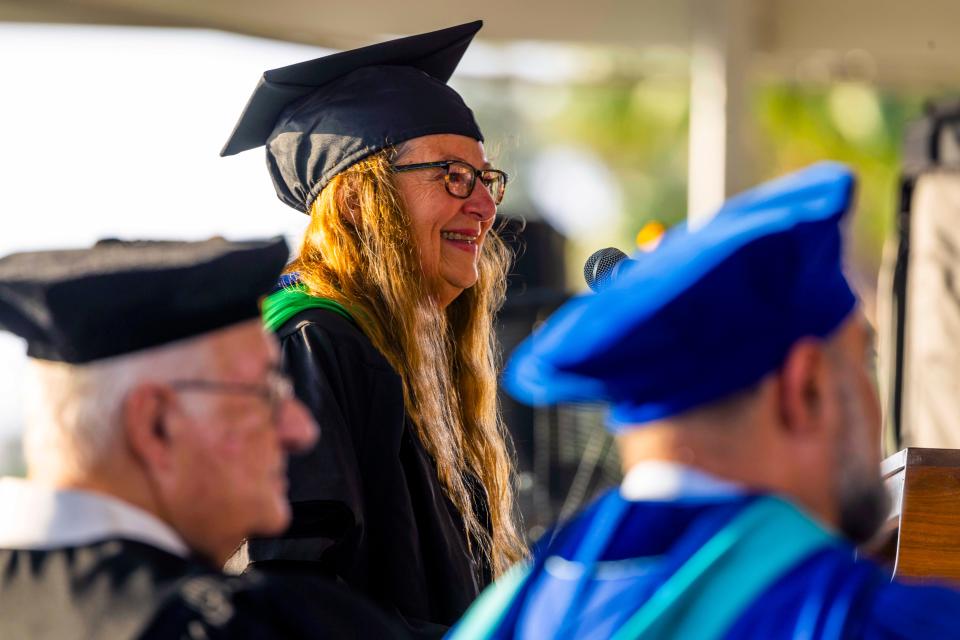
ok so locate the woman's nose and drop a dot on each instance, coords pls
(480, 204)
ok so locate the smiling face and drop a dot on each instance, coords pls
(449, 231)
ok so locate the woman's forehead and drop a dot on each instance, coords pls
(445, 146)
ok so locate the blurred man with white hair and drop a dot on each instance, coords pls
(158, 429)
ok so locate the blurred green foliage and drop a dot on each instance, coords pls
(639, 130)
(851, 123)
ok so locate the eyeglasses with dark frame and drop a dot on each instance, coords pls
(461, 177)
(277, 390)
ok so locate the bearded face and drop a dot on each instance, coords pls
(863, 499)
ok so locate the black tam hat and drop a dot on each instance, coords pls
(321, 116)
(78, 306)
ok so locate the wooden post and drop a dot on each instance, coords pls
(719, 70)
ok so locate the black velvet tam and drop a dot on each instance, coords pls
(82, 305)
(321, 116)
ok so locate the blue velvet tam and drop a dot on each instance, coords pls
(710, 312)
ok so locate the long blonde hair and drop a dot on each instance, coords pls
(360, 251)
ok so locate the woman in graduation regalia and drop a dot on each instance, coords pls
(385, 321)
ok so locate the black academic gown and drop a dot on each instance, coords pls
(120, 589)
(368, 507)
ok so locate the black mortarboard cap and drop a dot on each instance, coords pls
(321, 116)
(118, 297)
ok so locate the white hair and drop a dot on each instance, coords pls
(73, 411)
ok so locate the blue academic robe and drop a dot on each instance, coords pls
(828, 593)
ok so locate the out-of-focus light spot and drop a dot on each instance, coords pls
(650, 235)
(576, 191)
(855, 110)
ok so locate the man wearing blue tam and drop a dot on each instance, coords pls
(734, 359)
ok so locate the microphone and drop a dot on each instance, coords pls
(604, 266)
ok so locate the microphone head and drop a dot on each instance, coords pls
(599, 266)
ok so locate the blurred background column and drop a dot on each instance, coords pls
(719, 81)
